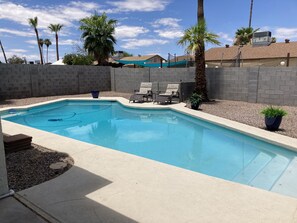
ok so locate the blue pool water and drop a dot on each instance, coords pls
(165, 136)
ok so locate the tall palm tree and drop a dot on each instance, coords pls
(33, 22)
(47, 42)
(243, 36)
(98, 36)
(56, 28)
(251, 13)
(200, 78)
(4, 55)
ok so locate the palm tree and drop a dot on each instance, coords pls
(251, 13)
(41, 42)
(98, 36)
(33, 22)
(191, 36)
(244, 36)
(4, 55)
(56, 28)
(47, 42)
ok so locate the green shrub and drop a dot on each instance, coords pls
(78, 59)
(196, 99)
(272, 112)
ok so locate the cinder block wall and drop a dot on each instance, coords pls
(276, 86)
(20, 81)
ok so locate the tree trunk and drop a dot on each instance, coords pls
(57, 46)
(251, 13)
(4, 55)
(46, 54)
(200, 78)
(39, 47)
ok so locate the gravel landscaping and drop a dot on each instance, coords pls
(30, 167)
(249, 113)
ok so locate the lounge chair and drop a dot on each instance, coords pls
(172, 92)
(144, 93)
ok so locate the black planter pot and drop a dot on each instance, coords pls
(195, 106)
(95, 94)
(273, 123)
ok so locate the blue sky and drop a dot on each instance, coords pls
(144, 26)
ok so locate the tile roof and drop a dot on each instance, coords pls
(274, 50)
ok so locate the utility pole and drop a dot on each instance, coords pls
(3, 52)
(251, 13)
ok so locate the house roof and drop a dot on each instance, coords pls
(274, 50)
(140, 58)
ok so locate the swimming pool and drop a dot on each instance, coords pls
(163, 135)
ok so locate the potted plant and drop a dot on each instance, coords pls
(195, 100)
(273, 117)
(95, 93)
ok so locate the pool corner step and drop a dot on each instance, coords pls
(253, 168)
(286, 184)
(270, 173)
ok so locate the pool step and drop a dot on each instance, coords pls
(252, 169)
(286, 184)
(270, 173)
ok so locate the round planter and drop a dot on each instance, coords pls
(95, 94)
(195, 106)
(273, 123)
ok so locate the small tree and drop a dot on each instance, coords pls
(15, 60)
(78, 59)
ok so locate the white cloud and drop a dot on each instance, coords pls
(225, 37)
(68, 42)
(169, 34)
(85, 5)
(16, 51)
(285, 33)
(169, 22)
(139, 5)
(16, 32)
(137, 43)
(63, 14)
(129, 31)
(31, 41)
(169, 28)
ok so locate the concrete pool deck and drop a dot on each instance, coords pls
(111, 186)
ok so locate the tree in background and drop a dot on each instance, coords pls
(41, 42)
(98, 36)
(47, 42)
(56, 28)
(251, 13)
(33, 22)
(243, 36)
(78, 59)
(126, 54)
(4, 55)
(15, 60)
